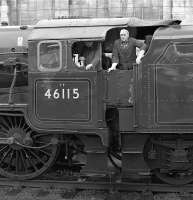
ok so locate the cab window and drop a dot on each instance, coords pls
(86, 55)
(178, 53)
(49, 56)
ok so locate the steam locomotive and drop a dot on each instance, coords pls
(51, 111)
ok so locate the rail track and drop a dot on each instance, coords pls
(97, 185)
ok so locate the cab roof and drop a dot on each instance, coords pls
(89, 22)
(88, 28)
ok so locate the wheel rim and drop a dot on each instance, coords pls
(21, 160)
(174, 178)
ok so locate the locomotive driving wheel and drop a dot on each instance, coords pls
(171, 159)
(175, 177)
(24, 153)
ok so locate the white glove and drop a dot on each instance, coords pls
(77, 64)
(140, 56)
(89, 66)
(113, 67)
(138, 60)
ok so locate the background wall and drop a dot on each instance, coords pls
(19, 12)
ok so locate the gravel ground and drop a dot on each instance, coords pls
(45, 194)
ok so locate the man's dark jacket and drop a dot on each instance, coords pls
(124, 53)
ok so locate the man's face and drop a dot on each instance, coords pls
(124, 35)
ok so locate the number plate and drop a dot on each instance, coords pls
(63, 100)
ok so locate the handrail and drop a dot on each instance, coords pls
(10, 100)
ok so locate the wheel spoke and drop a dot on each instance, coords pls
(23, 161)
(4, 148)
(10, 161)
(9, 122)
(16, 162)
(5, 155)
(4, 123)
(46, 153)
(36, 156)
(28, 158)
(15, 122)
(20, 122)
(4, 129)
(24, 124)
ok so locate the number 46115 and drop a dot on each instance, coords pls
(62, 93)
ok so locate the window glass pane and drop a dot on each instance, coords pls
(49, 56)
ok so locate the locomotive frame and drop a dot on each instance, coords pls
(51, 112)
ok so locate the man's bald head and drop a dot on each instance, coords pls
(124, 34)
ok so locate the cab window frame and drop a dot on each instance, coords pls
(42, 68)
(74, 66)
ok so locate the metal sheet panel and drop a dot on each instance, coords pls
(174, 102)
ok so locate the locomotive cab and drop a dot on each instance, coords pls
(60, 82)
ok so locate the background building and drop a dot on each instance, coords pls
(19, 12)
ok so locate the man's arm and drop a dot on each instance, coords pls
(140, 56)
(115, 57)
(142, 47)
(113, 67)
